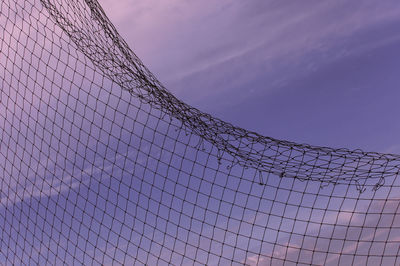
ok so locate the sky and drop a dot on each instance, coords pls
(88, 174)
(317, 72)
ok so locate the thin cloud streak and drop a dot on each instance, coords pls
(211, 42)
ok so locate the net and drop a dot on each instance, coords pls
(100, 164)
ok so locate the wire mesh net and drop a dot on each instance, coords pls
(100, 164)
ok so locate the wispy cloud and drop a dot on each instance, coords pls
(58, 182)
(202, 49)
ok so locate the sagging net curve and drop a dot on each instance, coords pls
(102, 44)
(100, 164)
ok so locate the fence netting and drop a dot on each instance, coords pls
(100, 164)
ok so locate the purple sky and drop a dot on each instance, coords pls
(319, 72)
